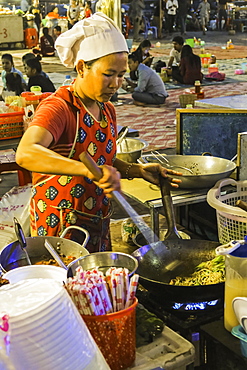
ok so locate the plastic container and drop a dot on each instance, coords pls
(32, 100)
(36, 272)
(11, 125)
(231, 220)
(67, 81)
(238, 332)
(36, 90)
(213, 69)
(115, 335)
(168, 351)
(190, 42)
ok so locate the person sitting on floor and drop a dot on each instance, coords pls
(149, 89)
(57, 32)
(8, 67)
(175, 54)
(190, 67)
(47, 44)
(142, 53)
(28, 56)
(14, 83)
(33, 71)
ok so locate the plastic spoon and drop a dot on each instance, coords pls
(55, 255)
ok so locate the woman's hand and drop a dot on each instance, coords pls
(109, 181)
(151, 171)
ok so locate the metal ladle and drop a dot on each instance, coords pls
(21, 238)
(55, 255)
(157, 155)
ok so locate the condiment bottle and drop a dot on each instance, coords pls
(197, 87)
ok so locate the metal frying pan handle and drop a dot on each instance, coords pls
(172, 232)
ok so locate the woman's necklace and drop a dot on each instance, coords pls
(102, 120)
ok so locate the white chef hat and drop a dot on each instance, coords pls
(89, 39)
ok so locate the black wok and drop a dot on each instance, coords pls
(158, 265)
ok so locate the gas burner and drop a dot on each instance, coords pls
(182, 316)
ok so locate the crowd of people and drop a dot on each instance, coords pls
(179, 15)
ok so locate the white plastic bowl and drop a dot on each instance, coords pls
(36, 272)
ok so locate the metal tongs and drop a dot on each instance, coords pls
(165, 161)
(122, 134)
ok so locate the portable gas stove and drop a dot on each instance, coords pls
(185, 318)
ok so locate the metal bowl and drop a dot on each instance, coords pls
(104, 260)
(131, 149)
(207, 170)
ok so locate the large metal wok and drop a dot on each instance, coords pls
(207, 170)
(158, 265)
(13, 256)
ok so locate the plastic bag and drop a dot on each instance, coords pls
(15, 203)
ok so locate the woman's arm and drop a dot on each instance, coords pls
(34, 155)
(149, 172)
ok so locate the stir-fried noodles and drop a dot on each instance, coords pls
(210, 272)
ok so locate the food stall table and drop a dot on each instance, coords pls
(11, 29)
(220, 348)
(233, 102)
(149, 195)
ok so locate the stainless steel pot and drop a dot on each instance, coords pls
(13, 256)
(207, 170)
(130, 149)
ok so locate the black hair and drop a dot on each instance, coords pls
(187, 52)
(88, 2)
(178, 39)
(45, 31)
(8, 57)
(14, 83)
(34, 64)
(145, 44)
(58, 28)
(90, 63)
(29, 56)
(133, 57)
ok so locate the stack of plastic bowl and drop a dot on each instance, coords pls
(46, 330)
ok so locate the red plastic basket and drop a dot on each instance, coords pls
(11, 125)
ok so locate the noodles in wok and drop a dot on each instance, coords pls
(210, 272)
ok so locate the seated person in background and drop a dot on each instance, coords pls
(47, 44)
(190, 67)
(175, 54)
(57, 31)
(28, 56)
(33, 71)
(14, 83)
(53, 14)
(212, 59)
(142, 53)
(143, 56)
(149, 89)
(8, 67)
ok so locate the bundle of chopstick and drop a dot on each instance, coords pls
(97, 294)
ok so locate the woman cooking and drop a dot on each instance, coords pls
(77, 119)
